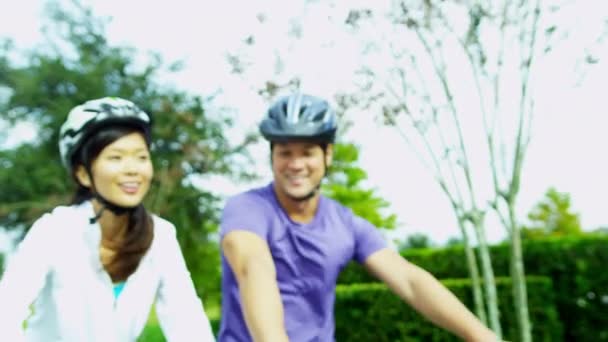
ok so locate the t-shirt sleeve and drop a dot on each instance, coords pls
(368, 239)
(246, 212)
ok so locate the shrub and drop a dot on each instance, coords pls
(576, 266)
(371, 312)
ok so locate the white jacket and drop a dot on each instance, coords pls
(58, 269)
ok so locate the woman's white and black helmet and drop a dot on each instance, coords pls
(89, 117)
(299, 116)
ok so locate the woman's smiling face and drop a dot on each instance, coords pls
(122, 172)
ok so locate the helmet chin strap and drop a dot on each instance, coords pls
(105, 204)
(307, 196)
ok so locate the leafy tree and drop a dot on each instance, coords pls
(416, 240)
(552, 216)
(454, 241)
(344, 185)
(75, 64)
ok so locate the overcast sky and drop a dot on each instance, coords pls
(569, 135)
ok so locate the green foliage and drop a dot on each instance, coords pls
(552, 216)
(153, 332)
(600, 231)
(344, 185)
(371, 312)
(454, 241)
(576, 266)
(1, 264)
(416, 240)
(77, 64)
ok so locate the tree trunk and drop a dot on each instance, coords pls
(488, 279)
(473, 268)
(520, 297)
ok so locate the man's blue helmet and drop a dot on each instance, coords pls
(300, 116)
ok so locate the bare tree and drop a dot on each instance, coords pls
(418, 99)
(453, 65)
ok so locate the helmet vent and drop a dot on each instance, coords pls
(299, 116)
(302, 111)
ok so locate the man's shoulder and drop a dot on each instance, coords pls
(344, 214)
(251, 197)
(332, 206)
(252, 210)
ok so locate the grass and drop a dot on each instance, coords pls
(153, 333)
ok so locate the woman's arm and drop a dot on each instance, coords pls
(23, 279)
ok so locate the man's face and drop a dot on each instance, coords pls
(299, 166)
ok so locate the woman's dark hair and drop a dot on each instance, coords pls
(130, 248)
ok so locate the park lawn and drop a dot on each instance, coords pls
(153, 333)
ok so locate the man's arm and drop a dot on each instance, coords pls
(427, 295)
(251, 262)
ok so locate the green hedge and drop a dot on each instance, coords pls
(576, 265)
(371, 312)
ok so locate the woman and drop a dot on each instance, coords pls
(92, 270)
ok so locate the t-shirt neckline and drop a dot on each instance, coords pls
(312, 222)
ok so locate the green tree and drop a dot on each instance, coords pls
(552, 216)
(344, 184)
(415, 240)
(454, 241)
(76, 64)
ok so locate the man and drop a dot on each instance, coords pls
(283, 245)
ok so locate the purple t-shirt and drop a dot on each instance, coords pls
(308, 258)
